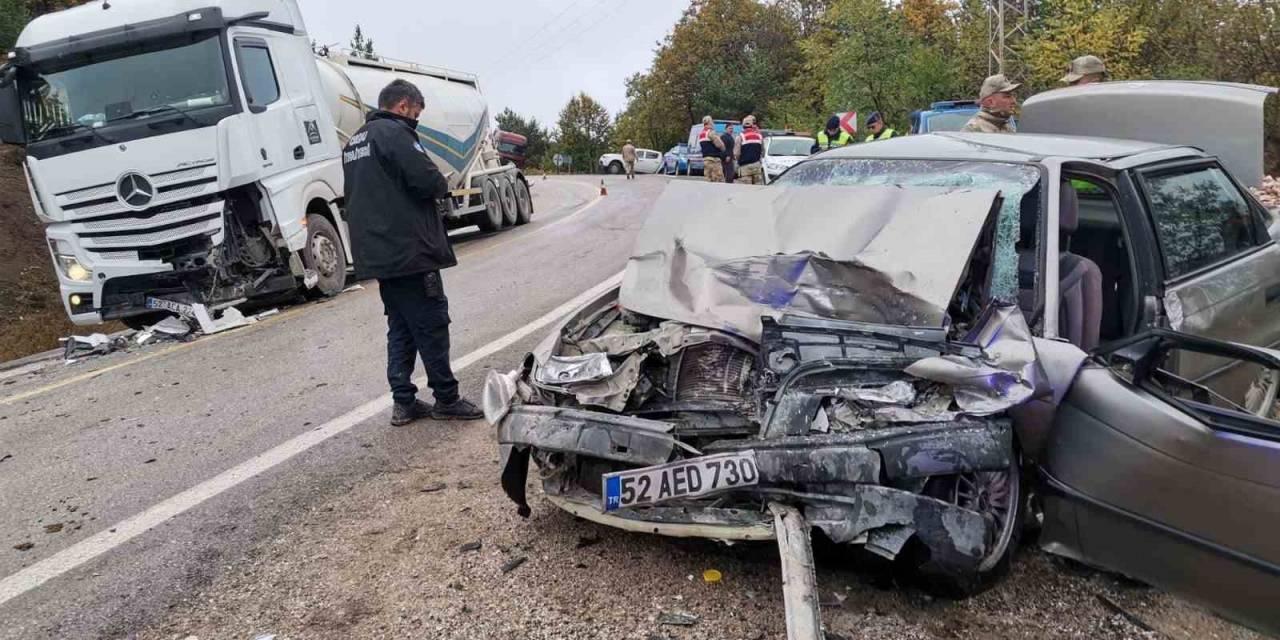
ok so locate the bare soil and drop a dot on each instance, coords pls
(388, 560)
(32, 317)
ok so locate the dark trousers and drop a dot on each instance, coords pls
(418, 324)
(728, 171)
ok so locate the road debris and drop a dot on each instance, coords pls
(96, 344)
(24, 546)
(711, 576)
(472, 546)
(677, 619)
(53, 528)
(434, 487)
(513, 564)
(1132, 619)
(354, 287)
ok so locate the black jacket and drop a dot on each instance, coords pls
(391, 189)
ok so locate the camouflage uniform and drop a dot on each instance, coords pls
(751, 174)
(713, 169)
(986, 122)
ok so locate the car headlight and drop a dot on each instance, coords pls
(67, 263)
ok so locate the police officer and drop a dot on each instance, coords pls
(877, 128)
(750, 169)
(712, 148)
(833, 136)
(998, 102)
(1085, 70)
(398, 237)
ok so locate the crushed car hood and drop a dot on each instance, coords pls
(722, 256)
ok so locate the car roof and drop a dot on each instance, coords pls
(1001, 147)
(791, 137)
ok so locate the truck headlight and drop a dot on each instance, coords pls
(67, 263)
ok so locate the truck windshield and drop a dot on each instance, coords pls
(60, 100)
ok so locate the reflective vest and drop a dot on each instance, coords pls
(887, 133)
(707, 145)
(752, 147)
(826, 143)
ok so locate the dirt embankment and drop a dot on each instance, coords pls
(31, 314)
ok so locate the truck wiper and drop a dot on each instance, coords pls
(158, 109)
(71, 127)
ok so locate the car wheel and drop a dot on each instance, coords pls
(1001, 499)
(324, 255)
(508, 195)
(490, 219)
(615, 167)
(524, 203)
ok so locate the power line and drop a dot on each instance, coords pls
(557, 46)
(536, 32)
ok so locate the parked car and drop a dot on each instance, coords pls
(647, 161)
(781, 152)
(676, 160)
(904, 341)
(948, 115)
(695, 150)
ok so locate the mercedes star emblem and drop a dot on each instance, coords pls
(135, 190)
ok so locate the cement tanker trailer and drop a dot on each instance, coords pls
(190, 151)
(453, 129)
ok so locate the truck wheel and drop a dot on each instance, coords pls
(324, 255)
(615, 167)
(524, 203)
(490, 219)
(509, 209)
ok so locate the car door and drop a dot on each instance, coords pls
(1152, 475)
(1220, 267)
(648, 161)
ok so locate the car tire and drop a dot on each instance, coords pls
(615, 168)
(490, 219)
(507, 193)
(976, 490)
(524, 203)
(323, 254)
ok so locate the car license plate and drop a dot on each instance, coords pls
(683, 479)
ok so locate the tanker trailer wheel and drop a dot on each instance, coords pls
(490, 219)
(524, 203)
(323, 254)
(509, 207)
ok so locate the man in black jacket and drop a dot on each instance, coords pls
(398, 236)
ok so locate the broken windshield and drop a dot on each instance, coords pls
(1013, 181)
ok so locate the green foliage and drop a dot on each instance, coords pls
(1072, 28)
(539, 139)
(13, 16)
(582, 131)
(361, 46)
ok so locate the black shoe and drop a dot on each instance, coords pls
(402, 414)
(460, 409)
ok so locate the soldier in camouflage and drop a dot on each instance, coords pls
(998, 102)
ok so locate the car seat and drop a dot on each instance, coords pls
(1079, 278)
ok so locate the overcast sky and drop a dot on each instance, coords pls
(531, 55)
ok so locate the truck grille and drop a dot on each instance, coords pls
(186, 205)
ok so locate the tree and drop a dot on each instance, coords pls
(582, 131)
(1072, 28)
(13, 17)
(362, 47)
(538, 139)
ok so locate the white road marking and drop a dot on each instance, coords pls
(120, 533)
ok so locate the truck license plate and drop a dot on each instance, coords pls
(682, 479)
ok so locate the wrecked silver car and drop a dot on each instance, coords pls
(811, 357)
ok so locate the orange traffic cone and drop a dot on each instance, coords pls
(603, 191)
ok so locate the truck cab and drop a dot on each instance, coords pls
(177, 151)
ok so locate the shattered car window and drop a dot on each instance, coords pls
(1013, 180)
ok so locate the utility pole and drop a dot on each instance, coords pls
(1006, 23)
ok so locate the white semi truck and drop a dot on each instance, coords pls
(190, 151)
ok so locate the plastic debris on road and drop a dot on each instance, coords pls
(711, 575)
(96, 344)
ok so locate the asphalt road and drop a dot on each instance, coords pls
(248, 484)
(90, 446)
